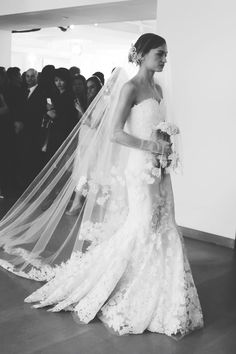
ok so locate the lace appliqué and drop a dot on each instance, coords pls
(36, 269)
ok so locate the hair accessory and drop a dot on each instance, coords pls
(134, 57)
(99, 80)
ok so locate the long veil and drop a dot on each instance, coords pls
(36, 235)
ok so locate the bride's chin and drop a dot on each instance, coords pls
(157, 70)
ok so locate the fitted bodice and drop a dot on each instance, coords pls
(144, 116)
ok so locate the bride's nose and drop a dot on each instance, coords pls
(164, 60)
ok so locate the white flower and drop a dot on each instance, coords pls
(105, 189)
(84, 192)
(93, 187)
(156, 172)
(82, 181)
(101, 201)
(163, 163)
(168, 128)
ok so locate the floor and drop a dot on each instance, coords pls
(24, 330)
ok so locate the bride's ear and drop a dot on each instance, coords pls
(141, 60)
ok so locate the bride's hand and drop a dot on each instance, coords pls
(167, 148)
(160, 147)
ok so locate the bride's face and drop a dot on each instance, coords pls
(155, 59)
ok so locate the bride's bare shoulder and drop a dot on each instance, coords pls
(129, 89)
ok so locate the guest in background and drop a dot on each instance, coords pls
(3, 78)
(7, 173)
(74, 71)
(62, 115)
(94, 85)
(100, 76)
(35, 108)
(79, 87)
(59, 121)
(15, 100)
(14, 75)
(24, 84)
(46, 81)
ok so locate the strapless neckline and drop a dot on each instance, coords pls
(146, 100)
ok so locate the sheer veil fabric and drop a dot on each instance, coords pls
(29, 231)
(122, 257)
(87, 161)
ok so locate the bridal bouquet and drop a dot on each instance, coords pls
(165, 131)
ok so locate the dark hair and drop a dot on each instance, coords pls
(100, 76)
(14, 76)
(83, 95)
(145, 43)
(48, 70)
(63, 74)
(96, 81)
(74, 71)
(47, 75)
(81, 78)
(3, 79)
(13, 72)
(46, 81)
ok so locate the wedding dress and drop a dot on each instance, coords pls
(136, 275)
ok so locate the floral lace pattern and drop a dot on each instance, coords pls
(136, 276)
(39, 271)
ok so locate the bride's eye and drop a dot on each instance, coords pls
(161, 54)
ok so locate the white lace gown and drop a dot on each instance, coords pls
(139, 277)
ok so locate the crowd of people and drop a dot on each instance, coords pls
(37, 113)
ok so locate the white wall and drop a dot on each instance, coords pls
(201, 40)
(92, 48)
(21, 6)
(5, 56)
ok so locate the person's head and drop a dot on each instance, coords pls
(94, 85)
(149, 50)
(62, 79)
(14, 76)
(100, 76)
(79, 85)
(47, 74)
(3, 79)
(74, 71)
(3, 70)
(31, 77)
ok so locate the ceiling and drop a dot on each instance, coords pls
(125, 11)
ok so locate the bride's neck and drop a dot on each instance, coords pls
(146, 75)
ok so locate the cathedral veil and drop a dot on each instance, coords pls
(36, 235)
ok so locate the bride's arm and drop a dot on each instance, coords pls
(126, 101)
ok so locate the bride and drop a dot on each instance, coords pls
(122, 257)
